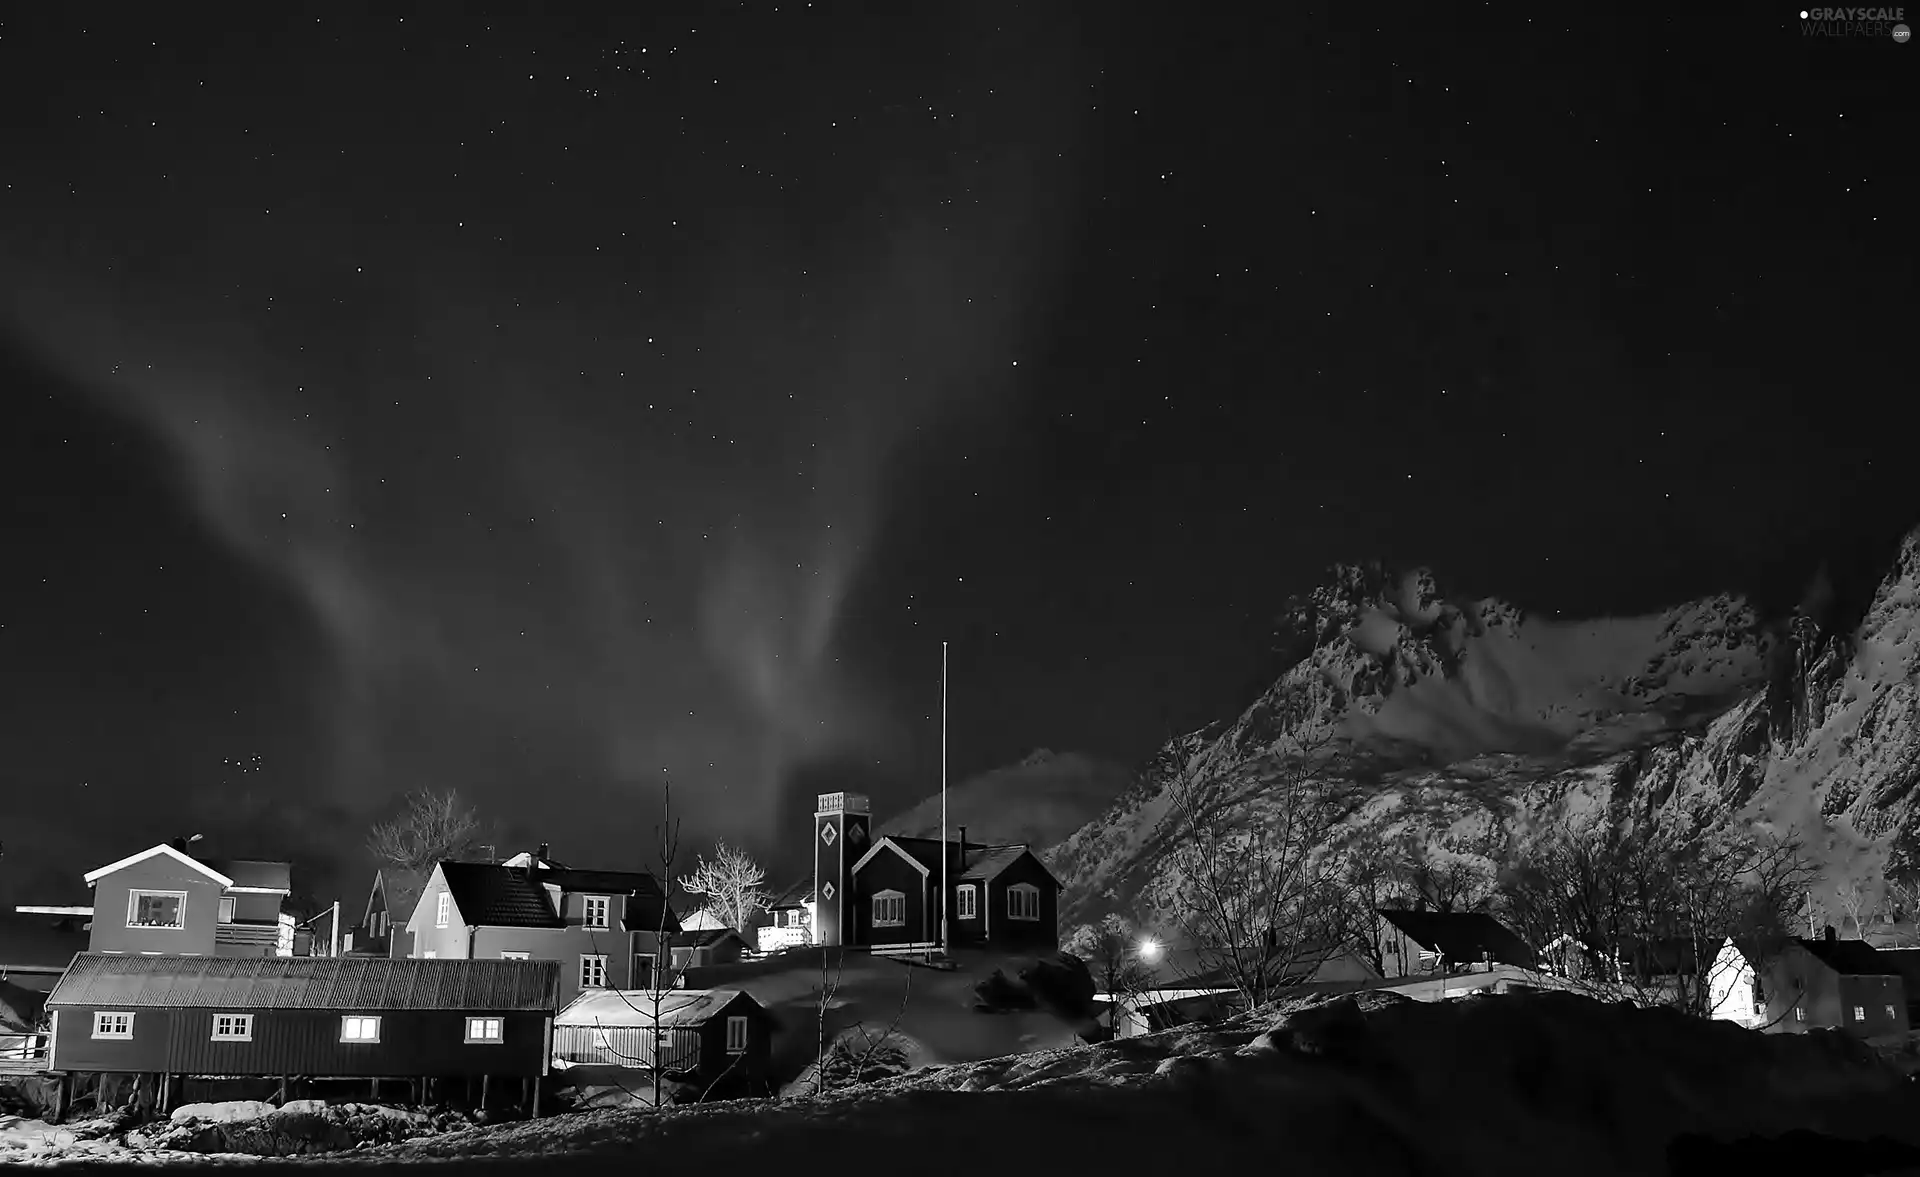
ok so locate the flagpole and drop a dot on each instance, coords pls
(944, 853)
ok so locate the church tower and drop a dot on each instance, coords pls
(841, 834)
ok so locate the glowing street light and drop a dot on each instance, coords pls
(1149, 949)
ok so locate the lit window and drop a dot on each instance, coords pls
(156, 909)
(1023, 902)
(514, 956)
(593, 972)
(226, 909)
(112, 1025)
(359, 1029)
(596, 911)
(429, 954)
(444, 912)
(1799, 1015)
(736, 1035)
(1859, 1013)
(233, 1027)
(889, 910)
(485, 1030)
(966, 902)
(1891, 1015)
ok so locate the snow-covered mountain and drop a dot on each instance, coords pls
(1039, 800)
(1471, 724)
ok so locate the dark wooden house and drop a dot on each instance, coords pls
(719, 1040)
(1414, 943)
(710, 946)
(999, 896)
(1845, 985)
(318, 1017)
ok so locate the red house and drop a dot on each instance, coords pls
(1845, 985)
(887, 895)
(164, 901)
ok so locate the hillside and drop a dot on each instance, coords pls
(1379, 1085)
(1475, 724)
(1040, 800)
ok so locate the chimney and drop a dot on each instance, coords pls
(963, 844)
(1831, 935)
(541, 854)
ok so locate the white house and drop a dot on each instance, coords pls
(1733, 988)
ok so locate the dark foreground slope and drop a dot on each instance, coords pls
(1507, 1085)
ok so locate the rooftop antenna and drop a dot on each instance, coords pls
(943, 797)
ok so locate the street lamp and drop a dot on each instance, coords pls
(1149, 949)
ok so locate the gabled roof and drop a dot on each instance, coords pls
(162, 850)
(635, 1007)
(40, 942)
(799, 893)
(346, 983)
(493, 896)
(251, 874)
(706, 938)
(1850, 958)
(899, 847)
(1462, 937)
(984, 863)
(376, 895)
(646, 902)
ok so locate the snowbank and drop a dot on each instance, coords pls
(1357, 1085)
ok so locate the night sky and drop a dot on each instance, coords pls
(536, 402)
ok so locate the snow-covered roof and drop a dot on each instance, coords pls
(636, 1007)
(162, 850)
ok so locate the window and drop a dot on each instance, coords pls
(643, 970)
(890, 910)
(107, 1025)
(1023, 902)
(1859, 1013)
(1799, 1015)
(593, 972)
(736, 1035)
(509, 955)
(156, 909)
(1891, 1015)
(485, 1030)
(966, 902)
(443, 912)
(595, 909)
(430, 954)
(233, 1027)
(226, 909)
(1759, 997)
(359, 1029)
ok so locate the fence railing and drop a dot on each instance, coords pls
(773, 939)
(23, 1051)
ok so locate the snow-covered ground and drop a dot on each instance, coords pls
(1376, 1085)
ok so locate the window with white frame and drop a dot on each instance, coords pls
(736, 1035)
(593, 972)
(1799, 1014)
(510, 955)
(594, 911)
(156, 909)
(1859, 1013)
(233, 1027)
(226, 909)
(1023, 902)
(112, 1025)
(486, 1030)
(429, 954)
(889, 910)
(356, 1028)
(443, 909)
(965, 902)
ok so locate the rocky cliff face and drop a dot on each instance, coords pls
(1473, 724)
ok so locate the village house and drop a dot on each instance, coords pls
(1906, 962)
(710, 946)
(1735, 992)
(165, 901)
(718, 1041)
(604, 927)
(174, 1017)
(373, 935)
(885, 894)
(1830, 983)
(790, 916)
(1416, 943)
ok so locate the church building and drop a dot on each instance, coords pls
(885, 892)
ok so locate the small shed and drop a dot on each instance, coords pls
(720, 1039)
(319, 1017)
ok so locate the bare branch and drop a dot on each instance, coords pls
(434, 827)
(731, 882)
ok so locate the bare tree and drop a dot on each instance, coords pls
(1111, 948)
(731, 882)
(434, 827)
(1856, 904)
(1255, 892)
